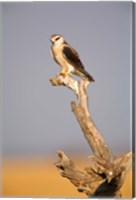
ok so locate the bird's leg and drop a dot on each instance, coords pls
(64, 73)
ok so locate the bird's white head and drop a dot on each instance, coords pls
(57, 39)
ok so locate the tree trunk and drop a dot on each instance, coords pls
(106, 173)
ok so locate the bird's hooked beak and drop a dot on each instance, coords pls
(51, 40)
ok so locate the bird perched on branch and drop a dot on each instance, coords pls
(67, 57)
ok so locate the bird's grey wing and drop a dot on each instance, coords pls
(72, 57)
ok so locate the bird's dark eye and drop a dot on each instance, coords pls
(57, 38)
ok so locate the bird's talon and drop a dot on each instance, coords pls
(64, 74)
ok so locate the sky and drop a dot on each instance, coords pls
(37, 117)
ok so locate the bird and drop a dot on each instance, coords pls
(68, 58)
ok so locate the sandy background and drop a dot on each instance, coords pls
(40, 178)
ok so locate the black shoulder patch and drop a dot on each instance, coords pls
(72, 57)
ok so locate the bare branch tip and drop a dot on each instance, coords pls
(60, 154)
(53, 81)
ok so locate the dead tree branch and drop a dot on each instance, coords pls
(106, 173)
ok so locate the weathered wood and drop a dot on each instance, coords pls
(106, 173)
(81, 112)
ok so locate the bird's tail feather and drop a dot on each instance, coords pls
(86, 75)
(90, 78)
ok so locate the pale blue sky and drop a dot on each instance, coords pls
(37, 117)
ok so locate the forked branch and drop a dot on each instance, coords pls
(106, 173)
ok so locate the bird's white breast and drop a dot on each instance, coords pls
(59, 56)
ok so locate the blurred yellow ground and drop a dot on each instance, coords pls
(40, 178)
